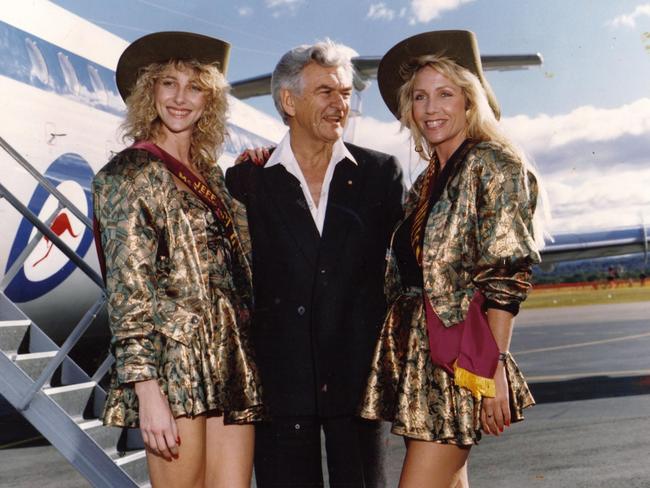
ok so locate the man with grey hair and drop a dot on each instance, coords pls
(321, 213)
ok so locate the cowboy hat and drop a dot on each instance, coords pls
(459, 45)
(160, 47)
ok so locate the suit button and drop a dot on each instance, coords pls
(322, 271)
(301, 310)
(324, 388)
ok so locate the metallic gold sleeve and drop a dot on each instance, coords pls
(123, 207)
(506, 246)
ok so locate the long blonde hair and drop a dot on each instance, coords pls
(209, 133)
(482, 123)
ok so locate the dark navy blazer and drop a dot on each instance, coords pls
(319, 300)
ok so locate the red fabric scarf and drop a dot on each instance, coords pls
(467, 349)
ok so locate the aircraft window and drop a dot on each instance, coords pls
(98, 84)
(39, 68)
(69, 73)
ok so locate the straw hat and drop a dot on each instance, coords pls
(160, 47)
(459, 45)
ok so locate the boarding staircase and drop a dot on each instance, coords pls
(41, 381)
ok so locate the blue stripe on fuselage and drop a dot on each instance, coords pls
(36, 62)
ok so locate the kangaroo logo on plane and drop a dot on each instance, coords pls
(46, 266)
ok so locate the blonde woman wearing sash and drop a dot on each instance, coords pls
(175, 247)
(459, 264)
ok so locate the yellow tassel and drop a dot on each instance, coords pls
(478, 385)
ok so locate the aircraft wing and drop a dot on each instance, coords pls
(251, 87)
(590, 245)
(366, 69)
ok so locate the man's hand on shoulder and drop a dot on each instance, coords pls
(238, 176)
(258, 156)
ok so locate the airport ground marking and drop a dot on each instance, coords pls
(575, 376)
(582, 344)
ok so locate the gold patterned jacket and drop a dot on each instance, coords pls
(155, 247)
(478, 235)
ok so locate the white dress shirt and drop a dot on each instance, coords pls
(283, 154)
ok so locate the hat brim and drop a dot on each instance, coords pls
(161, 47)
(459, 45)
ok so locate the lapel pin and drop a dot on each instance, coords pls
(349, 182)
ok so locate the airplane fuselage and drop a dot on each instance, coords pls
(62, 114)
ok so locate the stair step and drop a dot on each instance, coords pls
(34, 363)
(9, 310)
(89, 446)
(72, 398)
(135, 465)
(12, 332)
(104, 435)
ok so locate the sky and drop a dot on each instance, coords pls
(583, 116)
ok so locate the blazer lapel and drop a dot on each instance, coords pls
(285, 192)
(342, 207)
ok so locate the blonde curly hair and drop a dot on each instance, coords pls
(209, 133)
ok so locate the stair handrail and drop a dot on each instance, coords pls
(31, 245)
(62, 353)
(45, 183)
(56, 240)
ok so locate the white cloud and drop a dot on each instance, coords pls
(588, 124)
(244, 11)
(427, 10)
(379, 11)
(280, 7)
(629, 20)
(583, 199)
(594, 162)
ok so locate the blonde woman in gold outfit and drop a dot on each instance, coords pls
(459, 265)
(175, 246)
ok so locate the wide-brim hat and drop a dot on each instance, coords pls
(160, 47)
(459, 45)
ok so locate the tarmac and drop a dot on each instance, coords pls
(589, 369)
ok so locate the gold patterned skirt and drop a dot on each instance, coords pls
(420, 399)
(214, 375)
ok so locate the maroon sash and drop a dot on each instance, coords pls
(467, 350)
(203, 192)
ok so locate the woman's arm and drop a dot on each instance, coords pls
(506, 248)
(495, 412)
(157, 424)
(506, 253)
(125, 206)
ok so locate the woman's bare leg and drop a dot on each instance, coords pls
(188, 469)
(463, 479)
(229, 454)
(433, 465)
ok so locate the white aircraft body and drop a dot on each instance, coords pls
(62, 113)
